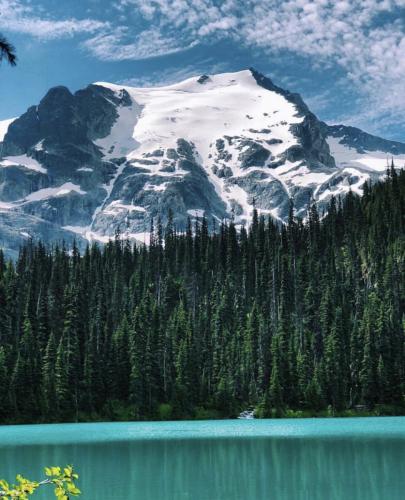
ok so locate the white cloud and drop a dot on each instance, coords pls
(223, 24)
(22, 18)
(115, 46)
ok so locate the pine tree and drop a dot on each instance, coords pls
(307, 315)
(4, 382)
(48, 377)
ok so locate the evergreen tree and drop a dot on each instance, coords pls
(303, 316)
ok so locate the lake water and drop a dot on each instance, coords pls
(311, 459)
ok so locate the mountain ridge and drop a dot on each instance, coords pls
(112, 157)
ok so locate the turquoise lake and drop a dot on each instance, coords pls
(311, 459)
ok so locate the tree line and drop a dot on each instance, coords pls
(304, 316)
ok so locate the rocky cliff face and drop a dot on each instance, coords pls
(111, 158)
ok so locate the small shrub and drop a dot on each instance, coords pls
(165, 411)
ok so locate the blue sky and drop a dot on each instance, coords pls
(346, 58)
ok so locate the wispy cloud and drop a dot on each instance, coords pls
(19, 17)
(115, 46)
(319, 101)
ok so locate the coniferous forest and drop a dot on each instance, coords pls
(306, 317)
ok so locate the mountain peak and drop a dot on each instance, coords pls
(114, 157)
(195, 83)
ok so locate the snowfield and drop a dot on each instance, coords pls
(226, 105)
(229, 103)
(346, 156)
(23, 160)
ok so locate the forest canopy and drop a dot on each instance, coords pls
(303, 316)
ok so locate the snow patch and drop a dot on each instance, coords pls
(303, 177)
(120, 141)
(4, 124)
(39, 146)
(108, 187)
(237, 194)
(116, 207)
(196, 213)
(43, 194)
(5, 206)
(155, 187)
(376, 161)
(23, 160)
(105, 238)
(77, 229)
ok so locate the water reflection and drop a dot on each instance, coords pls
(225, 469)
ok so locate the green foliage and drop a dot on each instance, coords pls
(165, 411)
(206, 414)
(63, 481)
(7, 51)
(306, 318)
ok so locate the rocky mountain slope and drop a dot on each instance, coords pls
(112, 157)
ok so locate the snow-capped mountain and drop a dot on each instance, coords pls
(113, 157)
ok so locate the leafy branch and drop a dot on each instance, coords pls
(7, 51)
(63, 480)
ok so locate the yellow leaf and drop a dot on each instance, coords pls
(73, 489)
(55, 471)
